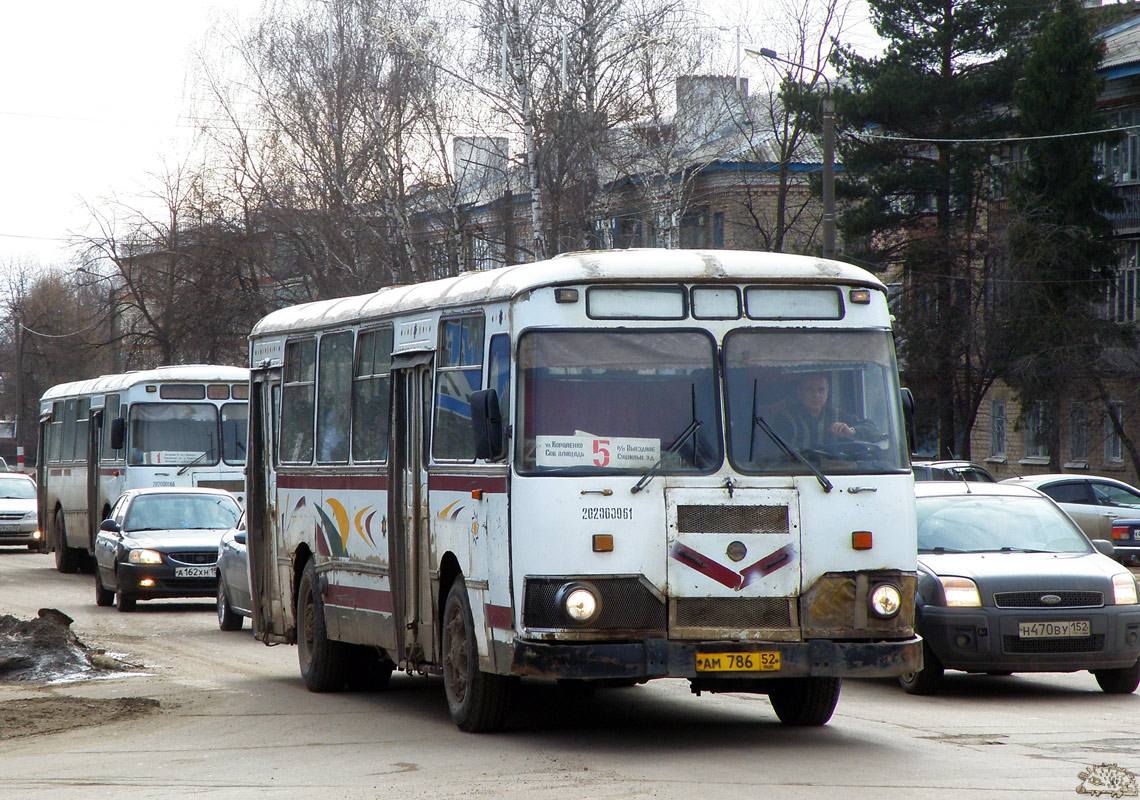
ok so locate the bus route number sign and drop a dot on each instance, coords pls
(763, 661)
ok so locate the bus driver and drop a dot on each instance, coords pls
(806, 421)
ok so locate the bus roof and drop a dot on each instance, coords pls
(125, 380)
(504, 283)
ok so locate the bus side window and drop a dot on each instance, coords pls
(297, 402)
(110, 412)
(499, 375)
(55, 440)
(459, 372)
(334, 386)
(371, 395)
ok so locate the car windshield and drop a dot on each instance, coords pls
(988, 523)
(157, 512)
(594, 402)
(830, 396)
(17, 489)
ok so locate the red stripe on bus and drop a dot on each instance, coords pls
(706, 566)
(358, 597)
(467, 483)
(499, 617)
(374, 482)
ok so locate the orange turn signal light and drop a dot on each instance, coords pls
(603, 543)
(861, 540)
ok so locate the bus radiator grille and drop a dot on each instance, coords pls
(732, 612)
(732, 519)
(627, 604)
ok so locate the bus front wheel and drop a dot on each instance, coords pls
(479, 701)
(322, 660)
(66, 558)
(804, 701)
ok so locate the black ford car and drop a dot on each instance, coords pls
(162, 543)
(1009, 583)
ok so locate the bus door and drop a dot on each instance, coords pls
(269, 615)
(42, 478)
(94, 426)
(408, 546)
(734, 559)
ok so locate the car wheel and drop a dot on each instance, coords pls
(1118, 681)
(228, 619)
(927, 680)
(321, 659)
(66, 558)
(124, 602)
(804, 701)
(103, 596)
(479, 701)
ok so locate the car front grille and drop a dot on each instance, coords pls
(12, 517)
(1077, 644)
(1033, 600)
(194, 558)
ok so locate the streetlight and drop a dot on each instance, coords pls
(828, 147)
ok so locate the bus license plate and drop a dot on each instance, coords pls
(1054, 630)
(195, 572)
(764, 661)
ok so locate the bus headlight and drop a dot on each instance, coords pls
(144, 557)
(579, 602)
(886, 600)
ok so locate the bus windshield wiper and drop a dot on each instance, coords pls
(673, 448)
(791, 452)
(197, 460)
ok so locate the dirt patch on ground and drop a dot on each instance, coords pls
(53, 714)
(46, 649)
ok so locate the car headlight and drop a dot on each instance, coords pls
(578, 602)
(1124, 589)
(29, 517)
(960, 592)
(145, 557)
(886, 600)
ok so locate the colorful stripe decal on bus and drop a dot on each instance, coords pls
(360, 598)
(723, 575)
(467, 483)
(329, 482)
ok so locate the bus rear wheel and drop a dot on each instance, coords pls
(479, 701)
(804, 701)
(67, 559)
(322, 660)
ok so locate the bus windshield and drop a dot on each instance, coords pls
(235, 421)
(594, 402)
(173, 433)
(828, 397)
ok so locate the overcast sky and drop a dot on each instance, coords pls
(94, 93)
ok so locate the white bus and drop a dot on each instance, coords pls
(171, 426)
(580, 470)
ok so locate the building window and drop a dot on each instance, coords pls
(694, 229)
(997, 429)
(718, 229)
(1113, 447)
(1078, 432)
(1036, 432)
(1122, 290)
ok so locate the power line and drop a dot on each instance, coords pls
(1008, 139)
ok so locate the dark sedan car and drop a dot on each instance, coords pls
(234, 601)
(161, 543)
(1008, 583)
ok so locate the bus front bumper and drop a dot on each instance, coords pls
(661, 658)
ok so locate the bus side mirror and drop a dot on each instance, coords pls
(908, 418)
(118, 433)
(487, 424)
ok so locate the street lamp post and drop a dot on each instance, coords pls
(828, 147)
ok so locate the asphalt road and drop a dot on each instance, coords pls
(235, 721)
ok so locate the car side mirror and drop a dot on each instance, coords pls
(1104, 547)
(110, 526)
(118, 433)
(239, 537)
(487, 425)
